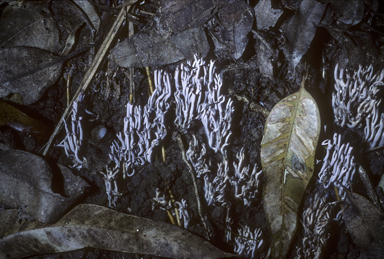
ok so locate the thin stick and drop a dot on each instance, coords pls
(131, 32)
(68, 83)
(338, 196)
(171, 217)
(91, 70)
(149, 80)
(191, 171)
(173, 203)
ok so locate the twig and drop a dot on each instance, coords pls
(149, 80)
(68, 83)
(91, 70)
(131, 32)
(191, 171)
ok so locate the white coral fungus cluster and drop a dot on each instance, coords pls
(242, 184)
(355, 102)
(143, 128)
(165, 203)
(111, 188)
(247, 242)
(355, 95)
(245, 183)
(72, 143)
(198, 96)
(315, 221)
(338, 165)
(198, 100)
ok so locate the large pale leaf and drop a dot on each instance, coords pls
(287, 154)
(99, 227)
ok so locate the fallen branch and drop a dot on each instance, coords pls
(91, 70)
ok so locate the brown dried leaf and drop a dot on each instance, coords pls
(91, 13)
(99, 227)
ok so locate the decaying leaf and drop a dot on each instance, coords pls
(27, 71)
(99, 227)
(73, 13)
(71, 39)
(301, 29)
(27, 182)
(347, 13)
(355, 49)
(89, 10)
(29, 25)
(18, 120)
(180, 15)
(265, 15)
(236, 20)
(287, 154)
(155, 49)
(365, 225)
(291, 4)
(266, 55)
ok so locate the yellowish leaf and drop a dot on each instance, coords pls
(287, 154)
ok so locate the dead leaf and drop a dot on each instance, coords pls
(266, 55)
(90, 12)
(99, 227)
(355, 49)
(236, 23)
(71, 39)
(347, 13)
(18, 120)
(287, 154)
(27, 71)
(70, 15)
(265, 15)
(26, 183)
(180, 15)
(29, 25)
(300, 30)
(291, 4)
(154, 49)
(365, 224)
